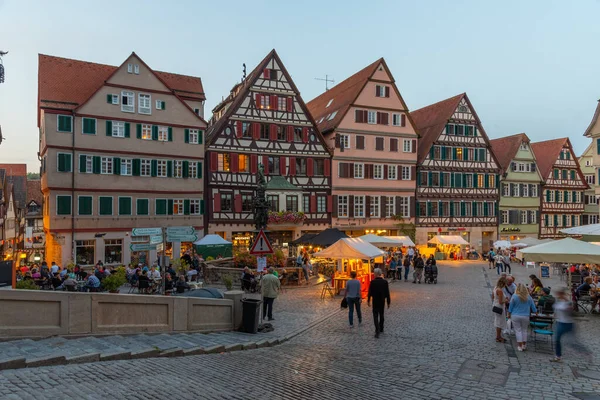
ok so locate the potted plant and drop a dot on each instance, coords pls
(27, 284)
(114, 281)
(228, 281)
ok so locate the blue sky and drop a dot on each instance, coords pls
(528, 66)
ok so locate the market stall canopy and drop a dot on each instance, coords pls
(502, 244)
(328, 237)
(351, 248)
(401, 240)
(448, 239)
(563, 251)
(213, 246)
(593, 229)
(304, 239)
(382, 241)
(529, 241)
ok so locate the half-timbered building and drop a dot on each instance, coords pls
(590, 198)
(264, 121)
(520, 183)
(457, 175)
(593, 132)
(367, 122)
(563, 189)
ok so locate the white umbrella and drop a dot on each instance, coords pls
(593, 229)
(351, 248)
(448, 239)
(401, 240)
(519, 245)
(380, 241)
(566, 250)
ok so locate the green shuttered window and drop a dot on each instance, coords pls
(63, 205)
(64, 123)
(88, 126)
(124, 205)
(142, 207)
(64, 162)
(84, 205)
(161, 207)
(105, 205)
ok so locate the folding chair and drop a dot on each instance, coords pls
(541, 326)
(327, 289)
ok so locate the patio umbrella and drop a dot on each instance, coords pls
(566, 250)
(351, 248)
(328, 237)
(448, 239)
(379, 241)
(502, 244)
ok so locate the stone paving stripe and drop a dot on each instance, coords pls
(234, 347)
(262, 343)
(13, 363)
(83, 359)
(147, 353)
(215, 349)
(46, 361)
(171, 353)
(121, 355)
(194, 351)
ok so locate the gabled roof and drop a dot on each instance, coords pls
(588, 131)
(238, 98)
(34, 192)
(64, 83)
(546, 154)
(343, 95)
(431, 120)
(506, 148)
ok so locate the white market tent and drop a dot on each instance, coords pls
(401, 240)
(448, 239)
(564, 251)
(503, 244)
(529, 241)
(211, 240)
(387, 241)
(593, 229)
(351, 248)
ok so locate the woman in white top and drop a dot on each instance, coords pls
(499, 300)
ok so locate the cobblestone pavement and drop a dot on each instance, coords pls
(438, 344)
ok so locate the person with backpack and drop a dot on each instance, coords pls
(418, 264)
(491, 256)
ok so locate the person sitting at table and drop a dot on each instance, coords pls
(93, 284)
(192, 274)
(154, 273)
(56, 281)
(171, 271)
(35, 274)
(70, 284)
(169, 283)
(134, 279)
(537, 289)
(182, 285)
(27, 276)
(584, 288)
(143, 282)
(546, 301)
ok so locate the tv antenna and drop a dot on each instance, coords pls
(327, 81)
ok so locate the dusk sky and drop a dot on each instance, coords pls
(527, 66)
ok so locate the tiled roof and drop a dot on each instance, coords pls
(588, 131)
(14, 169)
(506, 148)
(546, 154)
(431, 120)
(34, 192)
(65, 83)
(343, 95)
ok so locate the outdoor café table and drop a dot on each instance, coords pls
(155, 285)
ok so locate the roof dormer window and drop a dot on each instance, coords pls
(130, 68)
(136, 69)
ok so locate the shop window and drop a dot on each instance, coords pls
(113, 251)
(84, 252)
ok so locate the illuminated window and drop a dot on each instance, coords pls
(223, 164)
(244, 163)
(459, 153)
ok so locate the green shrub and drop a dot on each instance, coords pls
(27, 284)
(228, 281)
(115, 280)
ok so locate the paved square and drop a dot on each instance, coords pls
(438, 344)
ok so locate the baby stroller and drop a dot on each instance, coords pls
(431, 273)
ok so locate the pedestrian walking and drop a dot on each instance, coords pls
(506, 261)
(491, 255)
(406, 265)
(353, 297)
(499, 259)
(419, 264)
(270, 288)
(393, 267)
(499, 301)
(379, 291)
(520, 307)
(563, 313)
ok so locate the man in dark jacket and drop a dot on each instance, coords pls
(379, 290)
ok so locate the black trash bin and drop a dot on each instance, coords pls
(250, 315)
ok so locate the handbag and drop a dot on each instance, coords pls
(344, 303)
(497, 310)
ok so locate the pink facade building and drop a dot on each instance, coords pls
(366, 121)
